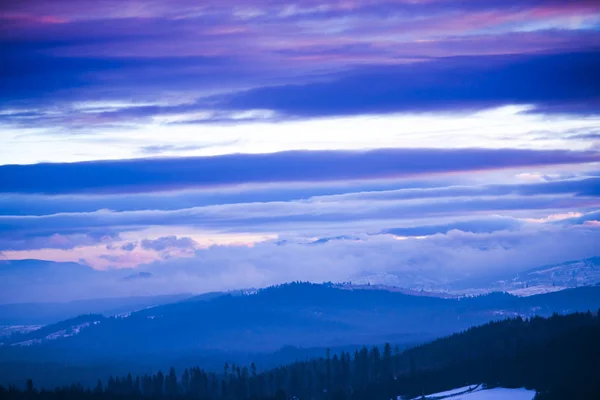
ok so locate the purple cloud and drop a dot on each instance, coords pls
(129, 246)
(308, 216)
(18, 242)
(433, 261)
(376, 190)
(148, 175)
(454, 83)
(64, 53)
(79, 68)
(167, 242)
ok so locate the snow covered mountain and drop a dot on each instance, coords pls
(552, 278)
(538, 280)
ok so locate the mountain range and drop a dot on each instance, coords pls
(536, 280)
(36, 282)
(257, 325)
(299, 314)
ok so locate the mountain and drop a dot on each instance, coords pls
(552, 277)
(537, 280)
(302, 314)
(411, 292)
(35, 281)
(273, 325)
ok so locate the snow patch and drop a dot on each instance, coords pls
(28, 342)
(7, 330)
(60, 334)
(411, 292)
(533, 290)
(477, 392)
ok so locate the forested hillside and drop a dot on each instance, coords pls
(556, 356)
(296, 314)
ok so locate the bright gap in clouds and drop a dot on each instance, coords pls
(509, 126)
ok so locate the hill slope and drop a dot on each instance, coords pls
(306, 315)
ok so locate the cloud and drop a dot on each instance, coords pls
(221, 79)
(129, 246)
(442, 257)
(427, 83)
(487, 225)
(302, 216)
(583, 133)
(405, 207)
(581, 219)
(430, 262)
(18, 241)
(582, 183)
(166, 148)
(173, 59)
(460, 83)
(169, 242)
(579, 187)
(148, 175)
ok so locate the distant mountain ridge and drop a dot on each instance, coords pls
(299, 314)
(553, 277)
(537, 280)
(36, 281)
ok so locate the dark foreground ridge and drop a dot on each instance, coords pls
(556, 356)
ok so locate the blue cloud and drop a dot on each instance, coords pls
(474, 226)
(129, 246)
(456, 83)
(587, 217)
(148, 175)
(307, 216)
(166, 242)
(395, 189)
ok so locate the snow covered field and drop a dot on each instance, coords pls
(7, 330)
(477, 393)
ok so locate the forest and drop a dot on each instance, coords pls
(556, 356)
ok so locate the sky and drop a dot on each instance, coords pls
(228, 144)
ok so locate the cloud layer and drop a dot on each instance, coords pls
(162, 174)
(72, 67)
(416, 263)
(221, 144)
